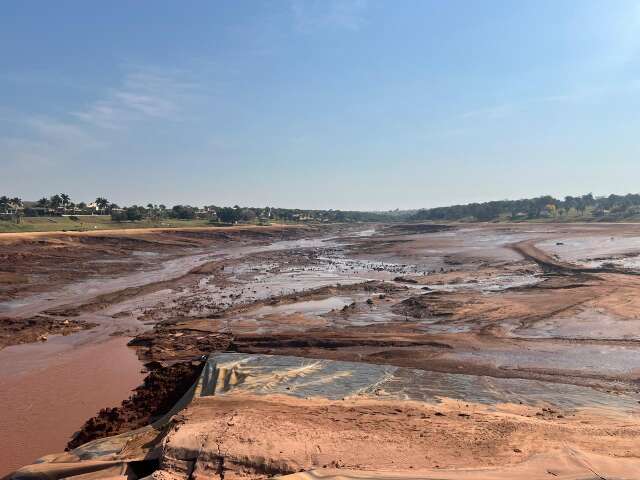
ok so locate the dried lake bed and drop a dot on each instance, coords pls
(512, 320)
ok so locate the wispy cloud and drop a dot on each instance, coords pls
(508, 109)
(45, 140)
(50, 130)
(310, 15)
(144, 93)
(490, 113)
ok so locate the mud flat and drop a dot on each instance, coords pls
(63, 333)
(443, 351)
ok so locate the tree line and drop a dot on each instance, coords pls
(58, 204)
(238, 214)
(612, 207)
(586, 206)
(62, 204)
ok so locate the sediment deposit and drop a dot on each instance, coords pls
(454, 351)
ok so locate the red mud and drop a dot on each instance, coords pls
(43, 407)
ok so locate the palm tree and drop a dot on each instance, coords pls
(65, 199)
(44, 204)
(102, 203)
(16, 202)
(55, 201)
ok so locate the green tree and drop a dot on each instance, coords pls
(55, 201)
(228, 215)
(102, 203)
(183, 212)
(43, 203)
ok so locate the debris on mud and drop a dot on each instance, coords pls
(436, 304)
(14, 331)
(405, 280)
(166, 343)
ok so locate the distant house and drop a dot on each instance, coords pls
(208, 211)
(601, 212)
(11, 211)
(93, 208)
(32, 209)
(16, 207)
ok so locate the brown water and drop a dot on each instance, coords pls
(47, 394)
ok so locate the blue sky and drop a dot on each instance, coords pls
(351, 104)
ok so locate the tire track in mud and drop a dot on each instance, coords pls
(530, 251)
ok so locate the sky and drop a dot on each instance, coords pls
(344, 104)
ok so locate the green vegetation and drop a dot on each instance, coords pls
(584, 208)
(59, 212)
(91, 222)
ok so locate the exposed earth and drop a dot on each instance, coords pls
(367, 351)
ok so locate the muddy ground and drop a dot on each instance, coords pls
(543, 318)
(69, 268)
(161, 390)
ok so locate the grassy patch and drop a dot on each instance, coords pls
(91, 222)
